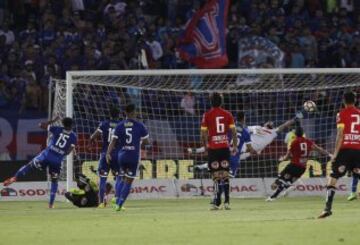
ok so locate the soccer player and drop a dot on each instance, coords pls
(244, 138)
(347, 148)
(215, 127)
(262, 136)
(299, 153)
(87, 193)
(106, 130)
(128, 136)
(63, 141)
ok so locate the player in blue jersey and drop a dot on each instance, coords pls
(106, 130)
(128, 137)
(63, 141)
(243, 138)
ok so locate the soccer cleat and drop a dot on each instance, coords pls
(101, 205)
(119, 208)
(9, 181)
(269, 199)
(51, 206)
(352, 196)
(325, 214)
(214, 208)
(227, 206)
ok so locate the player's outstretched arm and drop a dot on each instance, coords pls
(93, 137)
(285, 125)
(44, 125)
(321, 150)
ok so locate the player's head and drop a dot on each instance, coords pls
(350, 98)
(269, 125)
(299, 131)
(114, 112)
(130, 110)
(67, 122)
(241, 117)
(216, 100)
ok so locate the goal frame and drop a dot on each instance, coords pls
(189, 72)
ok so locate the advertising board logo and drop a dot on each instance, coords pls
(8, 192)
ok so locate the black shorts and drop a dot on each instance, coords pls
(293, 171)
(219, 159)
(346, 160)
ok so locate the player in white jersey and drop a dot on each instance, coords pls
(262, 136)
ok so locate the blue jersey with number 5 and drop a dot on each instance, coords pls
(60, 143)
(129, 134)
(107, 128)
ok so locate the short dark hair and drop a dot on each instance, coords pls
(114, 111)
(350, 97)
(130, 108)
(216, 100)
(240, 116)
(67, 122)
(299, 131)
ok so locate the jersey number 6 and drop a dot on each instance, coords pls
(220, 127)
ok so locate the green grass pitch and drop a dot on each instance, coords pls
(288, 221)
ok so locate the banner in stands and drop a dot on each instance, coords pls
(166, 188)
(257, 52)
(20, 136)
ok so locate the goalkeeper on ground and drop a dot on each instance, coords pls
(87, 193)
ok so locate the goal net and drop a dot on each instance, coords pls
(171, 104)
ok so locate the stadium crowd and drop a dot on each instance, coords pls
(41, 39)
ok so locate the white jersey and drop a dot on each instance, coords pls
(260, 138)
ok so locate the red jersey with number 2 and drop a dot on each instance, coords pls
(218, 122)
(300, 151)
(349, 119)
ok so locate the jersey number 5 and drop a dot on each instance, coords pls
(128, 132)
(62, 140)
(220, 127)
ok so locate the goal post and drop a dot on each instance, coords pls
(171, 103)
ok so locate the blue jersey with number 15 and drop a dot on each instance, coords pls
(60, 143)
(129, 134)
(107, 128)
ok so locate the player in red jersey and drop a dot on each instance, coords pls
(215, 127)
(346, 155)
(299, 152)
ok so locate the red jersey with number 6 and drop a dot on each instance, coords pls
(349, 119)
(218, 122)
(300, 151)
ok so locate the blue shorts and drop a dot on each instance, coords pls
(104, 168)
(128, 165)
(44, 160)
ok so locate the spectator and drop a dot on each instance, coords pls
(297, 58)
(9, 34)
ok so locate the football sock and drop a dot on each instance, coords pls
(124, 194)
(330, 193)
(118, 186)
(227, 191)
(24, 170)
(217, 191)
(354, 183)
(53, 190)
(102, 188)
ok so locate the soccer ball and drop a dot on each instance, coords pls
(309, 106)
